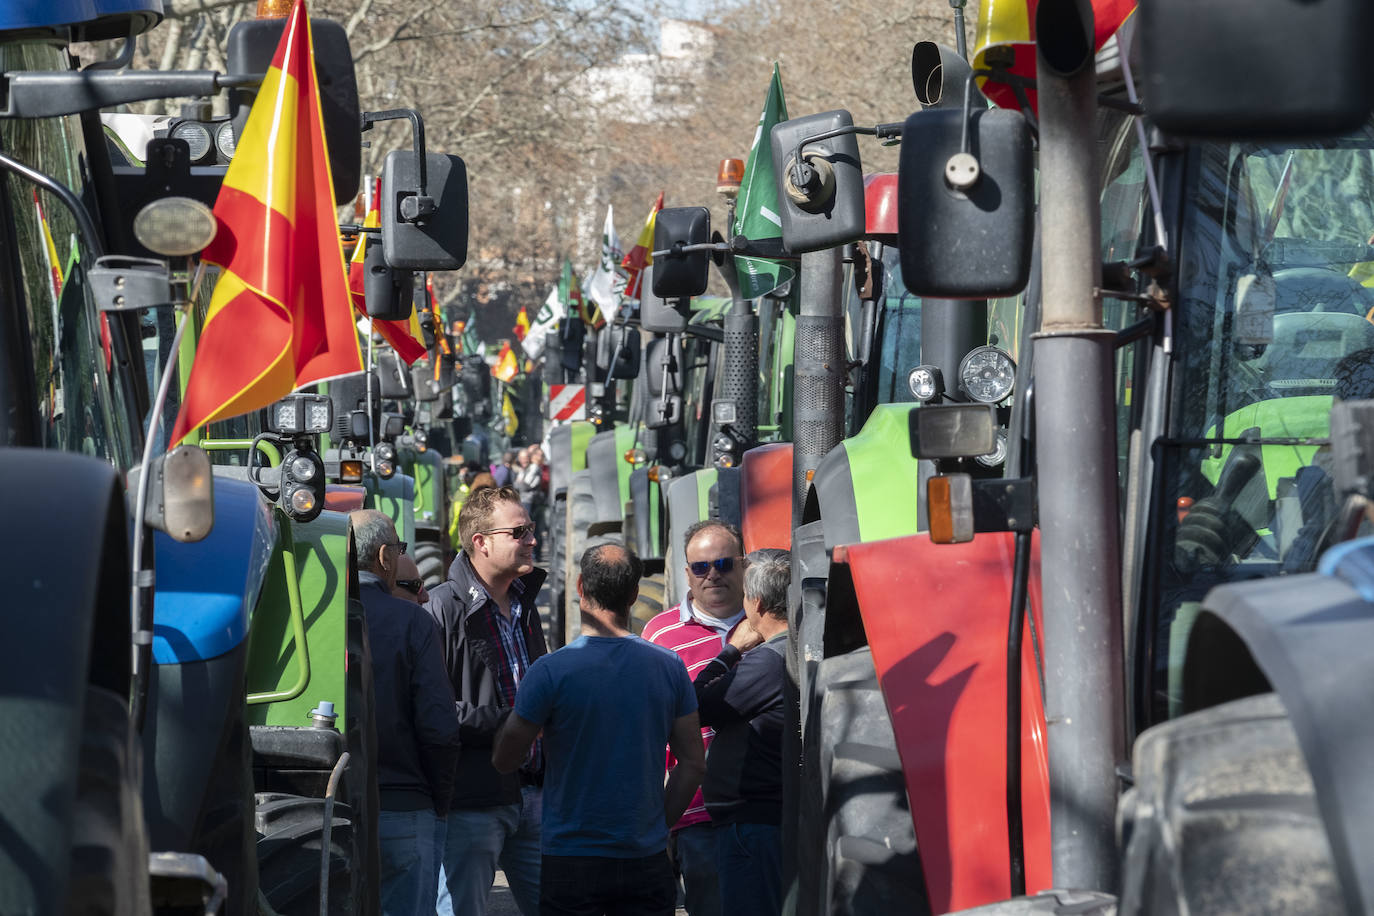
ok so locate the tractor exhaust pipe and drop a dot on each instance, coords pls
(819, 370)
(1080, 553)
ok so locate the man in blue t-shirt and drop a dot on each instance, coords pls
(607, 703)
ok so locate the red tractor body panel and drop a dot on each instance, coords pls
(766, 496)
(936, 618)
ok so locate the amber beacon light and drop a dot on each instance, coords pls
(729, 176)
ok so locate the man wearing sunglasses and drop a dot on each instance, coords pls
(491, 634)
(409, 585)
(417, 726)
(697, 629)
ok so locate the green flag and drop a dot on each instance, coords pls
(756, 215)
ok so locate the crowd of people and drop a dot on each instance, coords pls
(495, 753)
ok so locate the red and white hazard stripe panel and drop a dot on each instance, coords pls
(567, 402)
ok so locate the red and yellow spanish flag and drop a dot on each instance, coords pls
(506, 367)
(1010, 24)
(642, 254)
(522, 324)
(404, 336)
(278, 318)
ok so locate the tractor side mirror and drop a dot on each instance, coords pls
(1259, 69)
(624, 355)
(939, 75)
(422, 377)
(417, 237)
(680, 274)
(822, 197)
(664, 411)
(392, 377)
(250, 48)
(656, 314)
(571, 333)
(965, 217)
(388, 292)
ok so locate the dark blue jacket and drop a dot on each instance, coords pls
(417, 725)
(741, 698)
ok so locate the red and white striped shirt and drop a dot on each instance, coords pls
(697, 638)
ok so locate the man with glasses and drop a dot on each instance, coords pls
(417, 726)
(697, 629)
(491, 634)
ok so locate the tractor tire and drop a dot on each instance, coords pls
(290, 829)
(580, 517)
(870, 857)
(429, 558)
(109, 853)
(1223, 818)
(649, 604)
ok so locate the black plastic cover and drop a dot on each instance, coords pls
(388, 292)
(250, 49)
(837, 216)
(657, 314)
(685, 274)
(1258, 68)
(974, 244)
(441, 241)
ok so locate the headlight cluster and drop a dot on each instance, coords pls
(302, 483)
(986, 375)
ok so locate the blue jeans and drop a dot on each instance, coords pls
(749, 857)
(481, 838)
(694, 852)
(411, 842)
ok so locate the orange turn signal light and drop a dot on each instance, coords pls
(949, 508)
(351, 470)
(274, 9)
(729, 176)
(1184, 504)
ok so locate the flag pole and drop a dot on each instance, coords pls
(371, 432)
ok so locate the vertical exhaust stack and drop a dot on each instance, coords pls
(1080, 553)
(819, 363)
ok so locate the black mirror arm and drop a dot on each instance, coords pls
(52, 94)
(413, 209)
(803, 175)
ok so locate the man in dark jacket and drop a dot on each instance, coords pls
(491, 634)
(740, 695)
(417, 728)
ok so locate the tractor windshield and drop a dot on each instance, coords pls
(64, 384)
(1273, 323)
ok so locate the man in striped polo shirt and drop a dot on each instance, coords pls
(697, 629)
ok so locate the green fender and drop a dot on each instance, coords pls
(427, 470)
(395, 497)
(274, 662)
(868, 489)
(688, 502)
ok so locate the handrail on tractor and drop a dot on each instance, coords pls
(289, 571)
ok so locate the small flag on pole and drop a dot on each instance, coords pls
(278, 318)
(642, 254)
(756, 217)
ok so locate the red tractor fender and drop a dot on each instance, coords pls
(936, 618)
(765, 496)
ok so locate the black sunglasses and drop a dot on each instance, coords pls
(518, 532)
(401, 546)
(723, 565)
(411, 585)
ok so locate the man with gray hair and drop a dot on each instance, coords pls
(739, 694)
(417, 722)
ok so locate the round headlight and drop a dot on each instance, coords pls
(302, 468)
(987, 374)
(302, 500)
(197, 137)
(385, 468)
(677, 451)
(925, 383)
(997, 456)
(225, 141)
(174, 226)
(385, 451)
